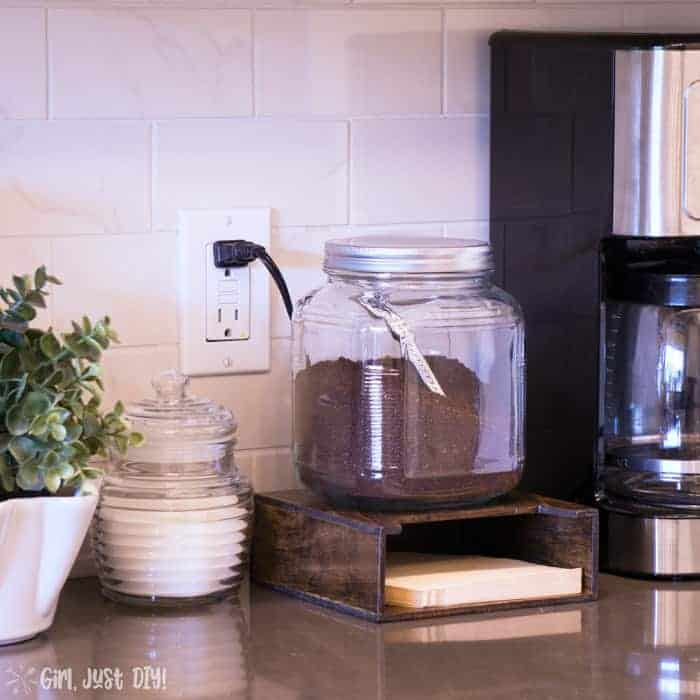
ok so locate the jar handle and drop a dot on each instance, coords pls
(171, 386)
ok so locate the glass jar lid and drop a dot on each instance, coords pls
(178, 427)
(384, 253)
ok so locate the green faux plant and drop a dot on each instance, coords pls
(50, 392)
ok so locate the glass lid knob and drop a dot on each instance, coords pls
(171, 386)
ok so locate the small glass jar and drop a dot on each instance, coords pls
(174, 518)
(408, 376)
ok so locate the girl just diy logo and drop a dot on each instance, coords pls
(28, 680)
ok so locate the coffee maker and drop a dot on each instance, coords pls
(595, 219)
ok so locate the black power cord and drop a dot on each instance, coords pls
(241, 253)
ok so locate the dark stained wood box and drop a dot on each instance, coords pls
(336, 558)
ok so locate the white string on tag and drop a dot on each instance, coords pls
(380, 308)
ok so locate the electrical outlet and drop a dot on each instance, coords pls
(228, 301)
(224, 312)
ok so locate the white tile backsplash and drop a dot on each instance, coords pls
(273, 470)
(343, 117)
(68, 178)
(128, 372)
(150, 63)
(262, 403)
(22, 63)
(132, 279)
(348, 62)
(663, 17)
(406, 170)
(467, 51)
(297, 168)
(478, 230)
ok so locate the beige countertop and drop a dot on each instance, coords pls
(640, 640)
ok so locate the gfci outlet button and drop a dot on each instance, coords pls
(224, 310)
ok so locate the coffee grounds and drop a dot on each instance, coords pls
(372, 435)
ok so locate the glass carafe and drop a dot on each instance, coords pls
(173, 522)
(650, 388)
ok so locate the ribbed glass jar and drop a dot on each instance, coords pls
(408, 376)
(174, 519)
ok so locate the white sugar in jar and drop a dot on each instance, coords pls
(174, 518)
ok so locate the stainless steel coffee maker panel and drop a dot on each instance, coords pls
(657, 143)
(651, 546)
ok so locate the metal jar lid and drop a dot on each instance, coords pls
(384, 253)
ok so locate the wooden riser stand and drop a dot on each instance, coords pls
(336, 558)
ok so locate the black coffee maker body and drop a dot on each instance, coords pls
(595, 219)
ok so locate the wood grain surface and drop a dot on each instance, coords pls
(336, 558)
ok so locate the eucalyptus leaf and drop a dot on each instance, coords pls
(26, 312)
(122, 443)
(66, 470)
(20, 283)
(74, 344)
(50, 459)
(10, 365)
(50, 346)
(16, 422)
(40, 278)
(29, 478)
(58, 432)
(23, 449)
(93, 349)
(136, 439)
(73, 432)
(91, 425)
(39, 427)
(36, 299)
(36, 403)
(28, 359)
(52, 480)
(60, 414)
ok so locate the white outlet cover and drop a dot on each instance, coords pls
(197, 231)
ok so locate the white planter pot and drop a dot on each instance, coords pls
(39, 541)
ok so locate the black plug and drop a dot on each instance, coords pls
(236, 253)
(241, 253)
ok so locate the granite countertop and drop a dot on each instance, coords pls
(640, 640)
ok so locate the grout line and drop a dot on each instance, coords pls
(123, 347)
(238, 119)
(331, 227)
(252, 62)
(443, 61)
(348, 204)
(349, 5)
(69, 236)
(152, 175)
(279, 448)
(52, 270)
(47, 59)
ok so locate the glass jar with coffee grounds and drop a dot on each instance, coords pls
(408, 376)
